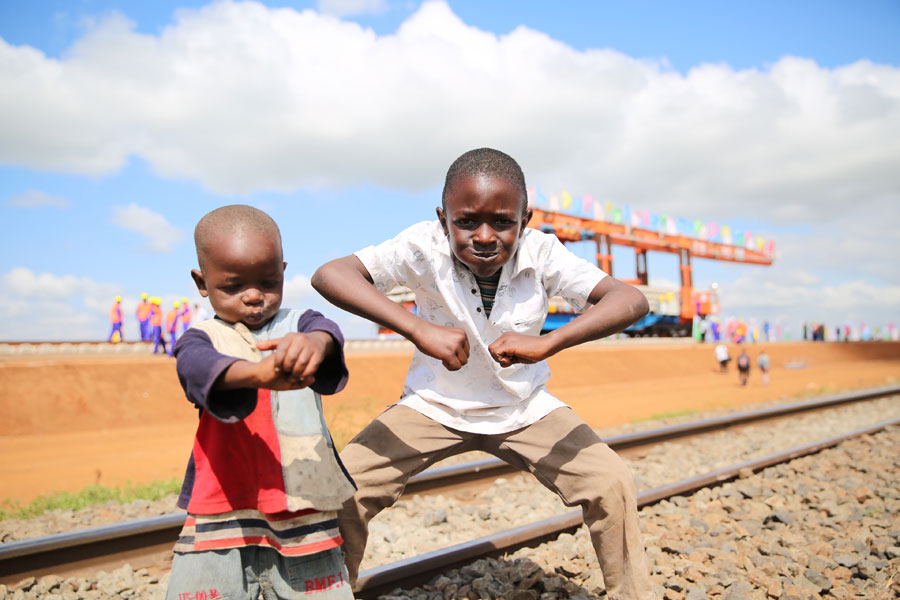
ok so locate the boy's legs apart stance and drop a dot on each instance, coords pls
(561, 450)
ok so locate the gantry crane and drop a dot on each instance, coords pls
(570, 228)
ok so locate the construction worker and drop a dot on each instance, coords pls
(185, 314)
(156, 319)
(115, 319)
(172, 324)
(143, 316)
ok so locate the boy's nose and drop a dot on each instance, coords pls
(252, 296)
(484, 234)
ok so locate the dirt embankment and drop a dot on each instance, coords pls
(70, 422)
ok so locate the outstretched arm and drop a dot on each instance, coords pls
(613, 306)
(347, 284)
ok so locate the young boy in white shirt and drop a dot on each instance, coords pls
(482, 282)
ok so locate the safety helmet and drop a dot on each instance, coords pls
(118, 298)
(184, 300)
(176, 304)
(156, 300)
(143, 295)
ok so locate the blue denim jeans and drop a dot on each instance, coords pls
(255, 571)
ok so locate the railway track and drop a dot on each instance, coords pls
(149, 540)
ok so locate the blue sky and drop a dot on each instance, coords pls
(122, 123)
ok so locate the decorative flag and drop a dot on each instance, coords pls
(671, 226)
(566, 200)
(617, 216)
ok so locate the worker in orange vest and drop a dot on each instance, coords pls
(156, 319)
(143, 316)
(115, 319)
(185, 314)
(172, 324)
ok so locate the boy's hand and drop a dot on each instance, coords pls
(447, 344)
(511, 348)
(294, 362)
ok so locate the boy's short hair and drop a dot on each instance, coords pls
(233, 219)
(485, 161)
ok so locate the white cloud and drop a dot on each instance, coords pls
(37, 199)
(297, 292)
(346, 8)
(160, 234)
(46, 306)
(243, 98)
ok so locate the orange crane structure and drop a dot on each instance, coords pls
(570, 228)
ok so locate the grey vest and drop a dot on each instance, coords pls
(313, 475)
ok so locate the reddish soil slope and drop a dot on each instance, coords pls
(70, 422)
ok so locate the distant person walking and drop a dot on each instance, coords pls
(200, 313)
(762, 361)
(143, 316)
(743, 365)
(172, 324)
(185, 315)
(156, 320)
(115, 320)
(721, 352)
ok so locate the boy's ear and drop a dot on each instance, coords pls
(197, 276)
(442, 219)
(525, 219)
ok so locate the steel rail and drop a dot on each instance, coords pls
(92, 546)
(419, 569)
(465, 471)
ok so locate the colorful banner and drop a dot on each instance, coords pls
(588, 207)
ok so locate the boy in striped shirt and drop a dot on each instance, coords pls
(263, 481)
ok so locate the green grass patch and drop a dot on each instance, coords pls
(666, 415)
(92, 495)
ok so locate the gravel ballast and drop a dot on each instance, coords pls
(824, 526)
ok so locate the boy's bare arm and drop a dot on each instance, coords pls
(613, 306)
(346, 283)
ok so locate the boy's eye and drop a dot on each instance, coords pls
(231, 289)
(463, 222)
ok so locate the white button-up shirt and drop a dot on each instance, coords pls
(482, 396)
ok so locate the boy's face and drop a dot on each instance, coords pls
(243, 278)
(483, 217)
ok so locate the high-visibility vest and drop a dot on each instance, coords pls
(186, 314)
(171, 319)
(155, 316)
(143, 310)
(115, 313)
